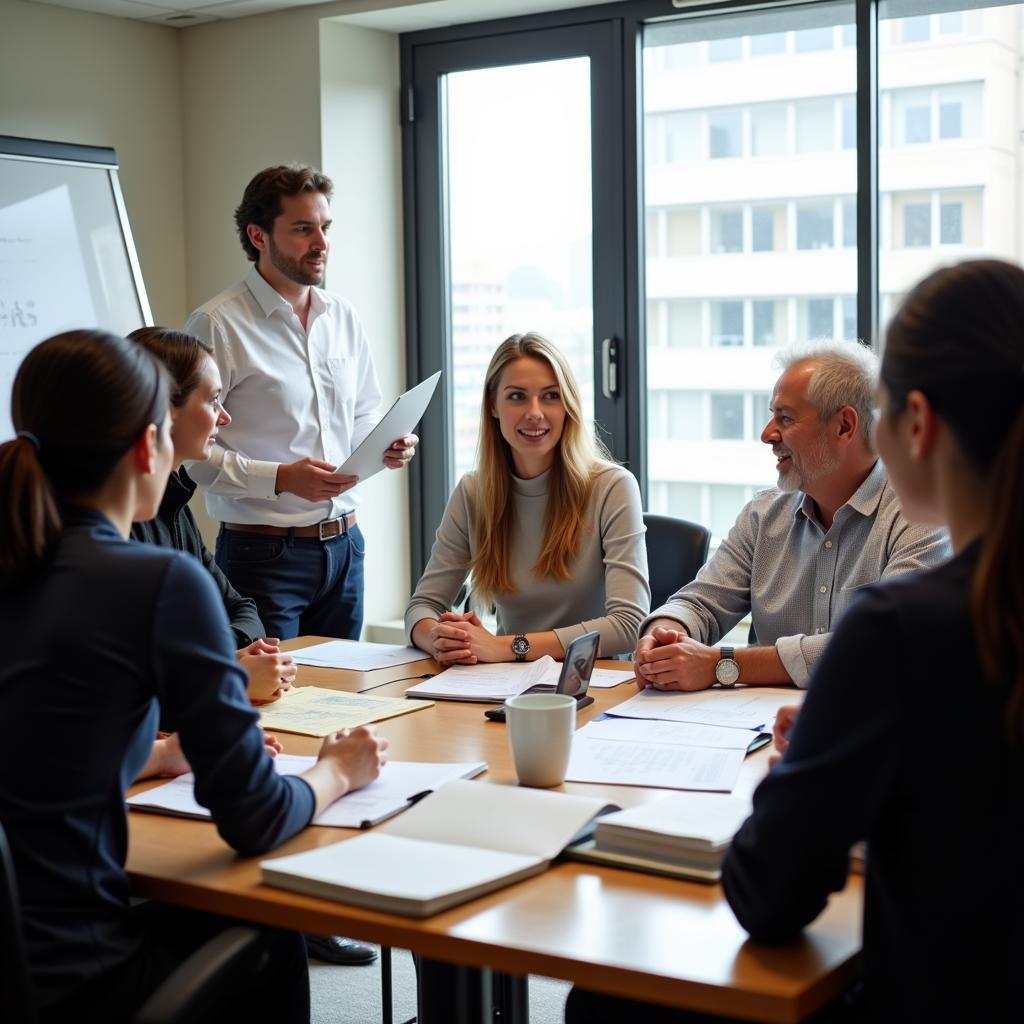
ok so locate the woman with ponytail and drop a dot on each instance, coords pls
(550, 531)
(911, 736)
(102, 638)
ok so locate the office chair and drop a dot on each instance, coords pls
(676, 549)
(197, 991)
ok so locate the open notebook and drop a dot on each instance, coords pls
(464, 840)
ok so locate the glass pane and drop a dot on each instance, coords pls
(774, 178)
(726, 417)
(520, 228)
(725, 128)
(951, 102)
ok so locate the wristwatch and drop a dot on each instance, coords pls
(520, 647)
(727, 671)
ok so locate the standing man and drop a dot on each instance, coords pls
(301, 388)
(798, 553)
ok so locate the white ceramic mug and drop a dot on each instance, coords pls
(540, 728)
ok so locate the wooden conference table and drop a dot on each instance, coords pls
(614, 931)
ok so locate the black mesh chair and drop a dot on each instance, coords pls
(676, 549)
(199, 990)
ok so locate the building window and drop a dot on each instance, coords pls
(760, 412)
(685, 416)
(682, 137)
(723, 502)
(951, 223)
(917, 125)
(769, 43)
(849, 223)
(814, 226)
(917, 30)
(682, 229)
(725, 134)
(684, 501)
(763, 315)
(725, 49)
(762, 228)
(811, 40)
(727, 324)
(917, 224)
(849, 318)
(819, 318)
(768, 130)
(727, 231)
(849, 107)
(726, 417)
(950, 120)
(684, 324)
(814, 126)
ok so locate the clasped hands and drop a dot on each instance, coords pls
(459, 638)
(670, 659)
(270, 672)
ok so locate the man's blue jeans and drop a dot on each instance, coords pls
(302, 586)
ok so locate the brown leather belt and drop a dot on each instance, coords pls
(326, 530)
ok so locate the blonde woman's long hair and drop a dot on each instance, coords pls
(579, 458)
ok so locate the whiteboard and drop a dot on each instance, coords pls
(67, 258)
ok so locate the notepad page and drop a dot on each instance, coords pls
(512, 819)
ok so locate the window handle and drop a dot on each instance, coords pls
(610, 367)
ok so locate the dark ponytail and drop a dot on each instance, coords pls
(80, 400)
(959, 339)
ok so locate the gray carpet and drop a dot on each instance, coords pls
(351, 995)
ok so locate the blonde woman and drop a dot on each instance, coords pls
(551, 532)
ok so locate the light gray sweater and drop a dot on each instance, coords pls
(608, 590)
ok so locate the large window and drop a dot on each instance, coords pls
(772, 201)
(774, 270)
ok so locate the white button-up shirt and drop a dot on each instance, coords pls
(796, 578)
(291, 391)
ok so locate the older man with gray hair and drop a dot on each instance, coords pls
(798, 553)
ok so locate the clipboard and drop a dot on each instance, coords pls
(408, 410)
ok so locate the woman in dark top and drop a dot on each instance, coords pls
(102, 637)
(196, 413)
(911, 733)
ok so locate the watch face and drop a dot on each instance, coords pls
(520, 645)
(727, 672)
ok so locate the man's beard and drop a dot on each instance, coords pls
(293, 269)
(817, 461)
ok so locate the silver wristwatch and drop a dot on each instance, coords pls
(520, 647)
(727, 671)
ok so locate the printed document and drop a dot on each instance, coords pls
(749, 707)
(356, 655)
(599, 755)
(317, 711)
(398, 786)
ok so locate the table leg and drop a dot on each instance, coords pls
(449, 994)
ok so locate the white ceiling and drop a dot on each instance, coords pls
(385, 15)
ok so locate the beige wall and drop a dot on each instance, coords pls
(70, 76)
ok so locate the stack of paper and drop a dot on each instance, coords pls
(686, 834)
(399, 785)
(664, 755)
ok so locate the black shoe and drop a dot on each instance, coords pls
(335, 949)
